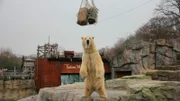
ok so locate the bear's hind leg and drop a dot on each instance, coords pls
(102, 92)
(87, 92)
(87, 89)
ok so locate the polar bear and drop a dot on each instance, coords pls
(92, 69)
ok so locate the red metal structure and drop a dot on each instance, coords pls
(55, 67)
(48, 71)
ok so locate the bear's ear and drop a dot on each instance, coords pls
(92, 37)
(82, 37)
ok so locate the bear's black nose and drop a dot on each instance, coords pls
(87, 41)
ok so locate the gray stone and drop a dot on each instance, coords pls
(1, 95)
(145, 56)
(30, 98)
(161, 42)
(122, 83)
(127, 88)
(163, 60)
(75, 94)
(145, 63)
(176, 45)
(152, 48)
(164, 75)
(166, 51)
(155, 91)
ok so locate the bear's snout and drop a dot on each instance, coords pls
(87, 41)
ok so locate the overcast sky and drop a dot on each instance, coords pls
(25, 24)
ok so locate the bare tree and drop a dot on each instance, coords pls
(110, 52)
(157, 28)
(118, 46)
(105, 52)
(171, 9)
(8, 60)
(130, 41)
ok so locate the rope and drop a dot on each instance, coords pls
(87, 5)
(120, 14)
(81, 4)
(93, 3)
(80, 7)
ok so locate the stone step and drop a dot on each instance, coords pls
(164, 75)
(174, 67)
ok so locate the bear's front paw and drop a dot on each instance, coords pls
(83, 74)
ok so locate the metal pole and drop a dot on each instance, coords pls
(155, 53)
(48, 40)
(178, 2)
(14, 70)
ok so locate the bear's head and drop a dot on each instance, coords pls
(88, 44)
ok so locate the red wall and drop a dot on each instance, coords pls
(48, 73)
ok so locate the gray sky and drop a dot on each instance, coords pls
(25, 24)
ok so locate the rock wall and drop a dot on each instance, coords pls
(167, 52)
(144, 56)
(16, 89)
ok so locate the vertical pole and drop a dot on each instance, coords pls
(14, 70)
(38, 52)
(112, 69)
(178, 2)
(112, 73)
(44, 50)
(47, 48)
(49, 40)
(155, 57)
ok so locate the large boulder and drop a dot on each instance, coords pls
(124, 82)
(74, 92)
(142, 88)
(155, 91)
(128, 88)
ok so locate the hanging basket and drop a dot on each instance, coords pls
(92, 15)
(82, 16)
(87, 14)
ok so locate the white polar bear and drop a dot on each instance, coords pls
(92, 68)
